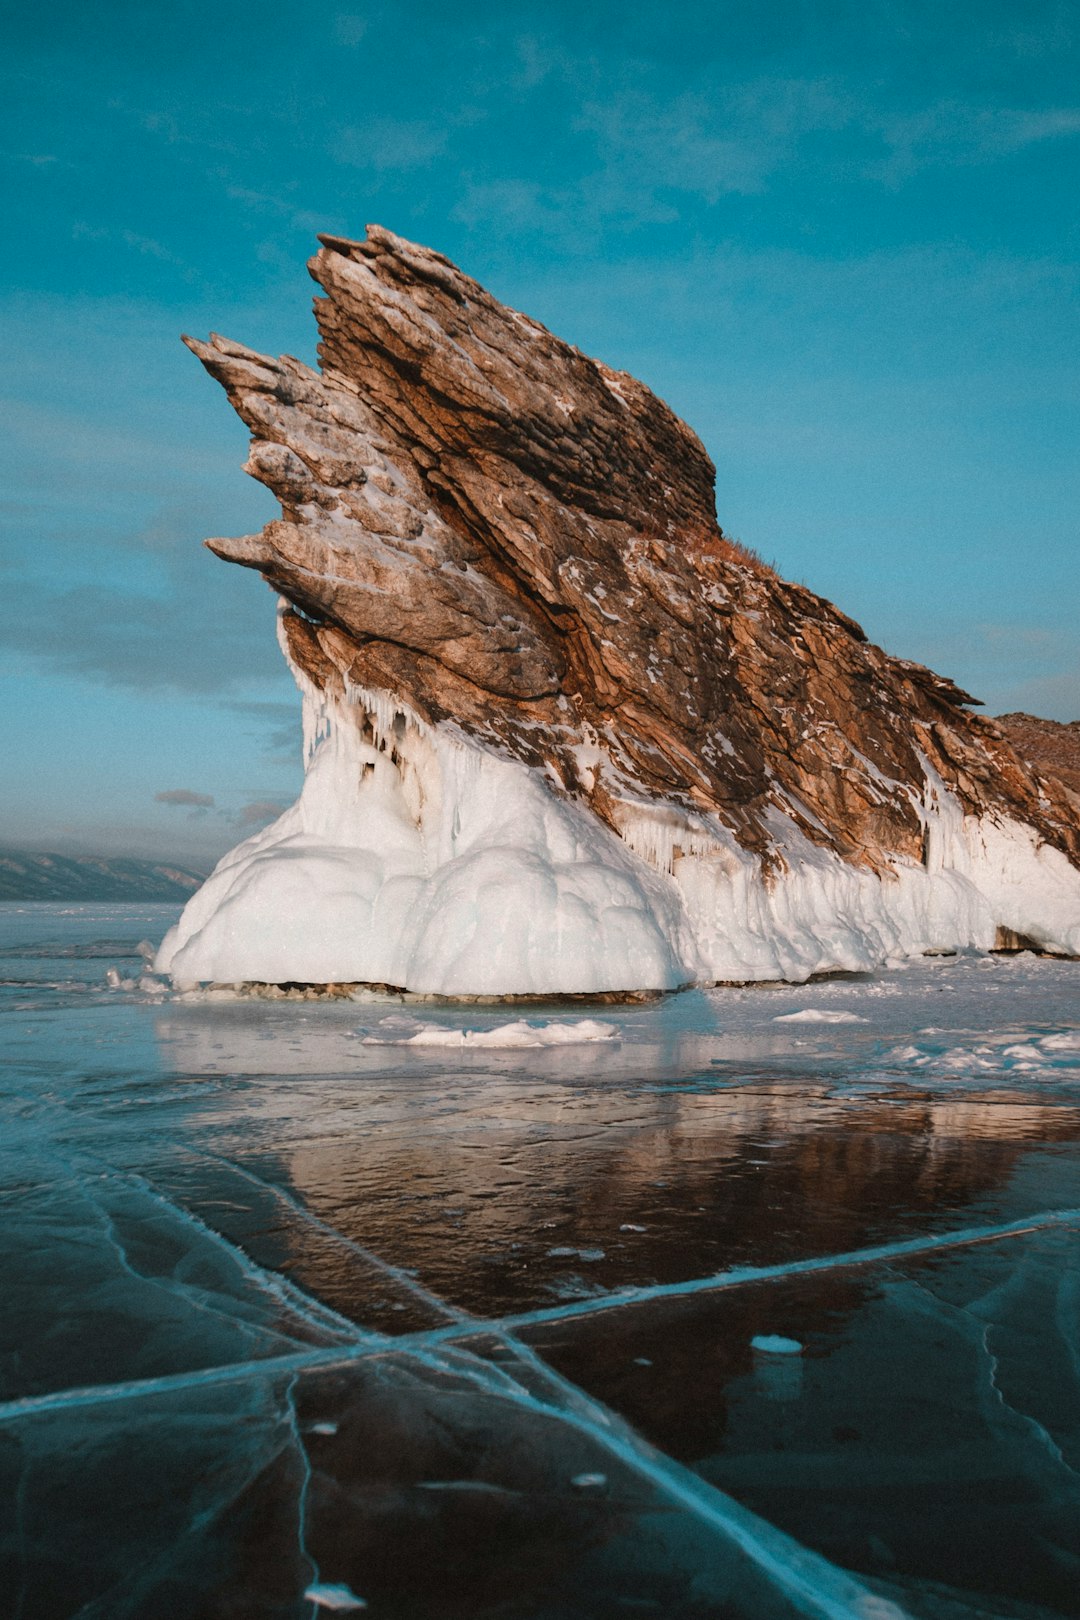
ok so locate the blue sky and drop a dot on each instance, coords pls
(840, 239)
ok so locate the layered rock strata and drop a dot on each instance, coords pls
(563, 734)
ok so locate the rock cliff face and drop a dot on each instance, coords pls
(492, 544)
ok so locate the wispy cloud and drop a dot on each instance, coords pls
(1057, 696)
(148, 246)
(713, 141)
(645, 154)
(390, 143)
(955, 133)
(1008, 665)
(278, 724)
(185, 796)
(254, 815)
(521, 206)
(179, 620)
(285, 209)
(152, 643)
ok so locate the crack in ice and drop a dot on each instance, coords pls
(810, 1583)
(174, 1288)
(296, 1300)
(28, 1406)
(1042, 1435)
(815, 1587)
(305, 1485)
(399, 1275)
(738, 1275)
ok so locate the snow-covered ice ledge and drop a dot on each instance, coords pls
(414, 858)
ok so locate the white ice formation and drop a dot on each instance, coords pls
(415, 858)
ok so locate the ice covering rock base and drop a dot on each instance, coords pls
(415, 860)
(562, 735)
(411, 859)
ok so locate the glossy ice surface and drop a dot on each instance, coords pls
(296, 1322)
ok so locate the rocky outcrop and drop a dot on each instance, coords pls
(503, 541)
(1049, 748)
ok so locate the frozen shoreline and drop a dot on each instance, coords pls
(250, 1232)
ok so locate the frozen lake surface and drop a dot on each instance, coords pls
(757, 1302)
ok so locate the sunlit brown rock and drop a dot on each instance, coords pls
(1048, 747)
(509, 535)
(564, 735)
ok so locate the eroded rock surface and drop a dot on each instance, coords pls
(482, 520)
(1050, 748)
(490, 540)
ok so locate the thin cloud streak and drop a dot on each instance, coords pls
(185, 796)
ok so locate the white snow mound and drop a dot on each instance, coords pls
(519, 1033)
(415, 858)
(818, 1015)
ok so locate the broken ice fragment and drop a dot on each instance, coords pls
(341, 1599)
(817, 1015)
(774, 1344)
(520, 1033)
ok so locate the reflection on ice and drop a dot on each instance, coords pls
(104, 1280)
(931, 1439)
(267, 1287)
(465, 1482)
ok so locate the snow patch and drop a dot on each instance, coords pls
(1037, 1056)
(818, 1015)
(520, 1033)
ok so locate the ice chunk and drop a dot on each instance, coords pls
(339, 1599)
(1069, 1041)
(518, 1034)
(905, 1054)
(818, 1015)
(775, 1344)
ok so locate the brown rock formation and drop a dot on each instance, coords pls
(1050, 748)
(509, 536)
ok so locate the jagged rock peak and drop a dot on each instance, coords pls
(518, 546)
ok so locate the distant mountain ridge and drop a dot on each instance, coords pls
(40, 875)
